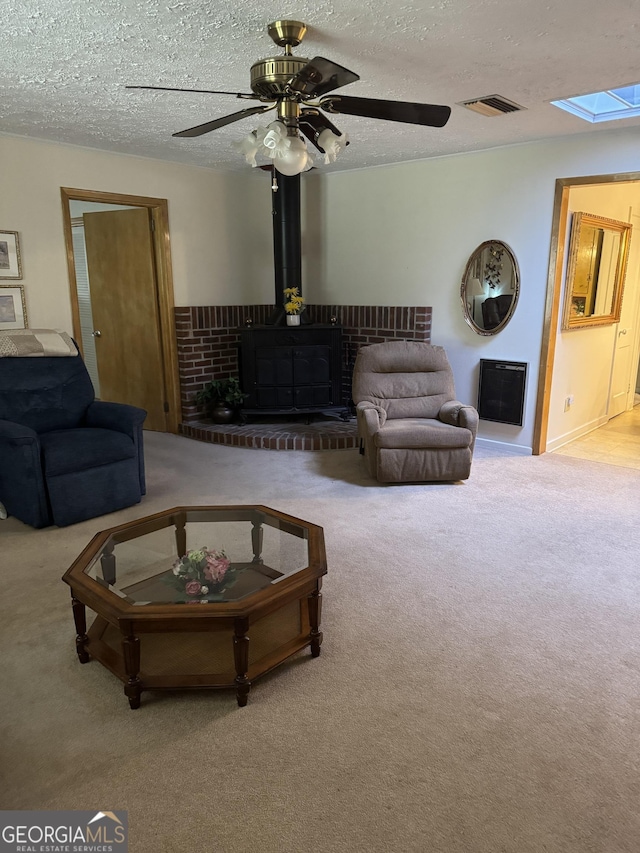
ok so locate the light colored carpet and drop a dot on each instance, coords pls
(477, 690)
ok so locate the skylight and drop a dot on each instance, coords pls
(609, 105)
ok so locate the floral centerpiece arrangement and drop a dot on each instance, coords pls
(295, 305)
(201, 572)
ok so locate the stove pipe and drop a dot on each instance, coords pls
(287, 242)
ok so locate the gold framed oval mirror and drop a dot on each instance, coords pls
(490, 287)
(598, 254)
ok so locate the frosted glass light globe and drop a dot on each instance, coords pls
(331, 144)
(272, 138)
(294, 159)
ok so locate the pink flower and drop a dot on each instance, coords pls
(216, 567)
(192, 587)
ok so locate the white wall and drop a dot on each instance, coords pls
(401, 235)
(583, 359)
(220, 224)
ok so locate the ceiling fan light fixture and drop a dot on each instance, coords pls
(294, 158)
(331, 144)
(274, 137)
(288, 153)
(248, 147)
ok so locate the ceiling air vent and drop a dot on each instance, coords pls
(492, 105)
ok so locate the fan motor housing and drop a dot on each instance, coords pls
(270, 76)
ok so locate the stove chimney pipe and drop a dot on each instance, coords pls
(287, 241)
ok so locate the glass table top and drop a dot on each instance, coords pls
(200, 556)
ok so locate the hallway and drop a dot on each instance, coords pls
(616, 443)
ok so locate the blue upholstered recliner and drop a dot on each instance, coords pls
(64, 457)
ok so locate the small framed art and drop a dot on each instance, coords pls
(13, 308)
(10, 263)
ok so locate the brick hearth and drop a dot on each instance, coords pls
(208, 341)
(323, 434)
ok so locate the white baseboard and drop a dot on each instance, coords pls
(504, 447)
(578, 432)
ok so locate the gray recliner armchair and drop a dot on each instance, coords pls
(411, 427)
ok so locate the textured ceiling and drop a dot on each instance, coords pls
(64, 65)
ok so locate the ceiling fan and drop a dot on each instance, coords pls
(299, 89)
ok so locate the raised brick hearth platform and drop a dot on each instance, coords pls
(208, 342)
(321, 434)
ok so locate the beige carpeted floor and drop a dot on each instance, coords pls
(477, 692)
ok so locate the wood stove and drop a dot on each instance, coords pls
(296, 370)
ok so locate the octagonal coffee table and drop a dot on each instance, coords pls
(208, 597)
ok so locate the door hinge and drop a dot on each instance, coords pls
(153, 224)
(166, 406)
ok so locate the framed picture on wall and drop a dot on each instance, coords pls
(13, 308)
(10, 263)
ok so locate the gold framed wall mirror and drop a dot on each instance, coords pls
(490, 287)
(598, 254)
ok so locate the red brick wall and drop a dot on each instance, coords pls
(208, 338)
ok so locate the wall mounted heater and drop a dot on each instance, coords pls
(501, 391)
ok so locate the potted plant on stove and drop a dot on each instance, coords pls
(220, 399)
(294, 306)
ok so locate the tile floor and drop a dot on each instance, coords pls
(616, 443)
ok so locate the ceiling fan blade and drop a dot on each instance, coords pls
(320, 76)
(201, 91)
(432, 115)
(311, 124)
(221, 122)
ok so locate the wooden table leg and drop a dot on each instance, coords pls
(108, 563)
(181, 537)
(256, 542)
(131, 653)
(315, 614)
(241, 658)
(80, 619)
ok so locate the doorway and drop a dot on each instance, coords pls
(122, 301)
(555, 283)
(616, 443)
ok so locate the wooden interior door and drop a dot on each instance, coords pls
(124, 304)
